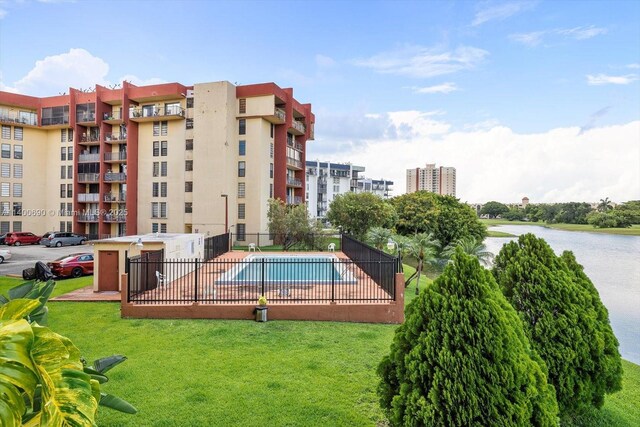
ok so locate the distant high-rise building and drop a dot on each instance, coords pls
(439, 180)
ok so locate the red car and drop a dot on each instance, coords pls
(21, 238)
(74, 265)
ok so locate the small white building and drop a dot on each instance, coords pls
(109, 255)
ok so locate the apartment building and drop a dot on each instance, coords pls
(439, 180)
(160, 158)
(326, 180)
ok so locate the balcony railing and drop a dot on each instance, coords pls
(108, 137)
(88, 177)
(322, 188)
(114, 115)
(90, 138)
(115, 177)
(294, 162)
(174, 110)
(341, 174)
(294, 182)
(114, 218)
(299, 126)
(295, 145)
(113, 197)
(82, 117)
(115, 156)
(90, 217)
(52, 121)
(87, 158)
(88, 197)
(23, 118)
(295, 200)
(279, 113)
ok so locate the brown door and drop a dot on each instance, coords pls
(109, 275)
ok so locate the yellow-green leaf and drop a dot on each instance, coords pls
(18, 308)
(16, 366)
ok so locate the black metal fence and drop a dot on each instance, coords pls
(145, 269)
(381, 266)
(282, 279)
(216, 246)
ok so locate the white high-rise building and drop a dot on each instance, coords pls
(439, 180)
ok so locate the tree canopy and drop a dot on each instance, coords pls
(462, 358)
(493, 209)
(356, 213)
(564, 319)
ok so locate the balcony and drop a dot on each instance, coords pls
(322, 188)
(294, 200)
(149, 114)
(294, 182)
(55, 121)
(115, 157)
(88, 217)
(294, 163)
(88, 198)
(115, 177)
(113, 118)
(340, 174)
(116, 197)
(85, 118)
(114, 218)
(89, 158)
(92, 139)
(295, 145)
(88, 177)
(115, 138)
(298, 127)
(280, 114)
(21, 118)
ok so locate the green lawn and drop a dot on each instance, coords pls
(62, 286)
(243, 373)
(634, 230)
(494, 233)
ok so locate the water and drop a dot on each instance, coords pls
(612, 262)
(290, 269)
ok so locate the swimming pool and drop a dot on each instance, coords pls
(315, 269)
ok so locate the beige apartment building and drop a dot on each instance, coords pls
(439, 180)
(162, 158)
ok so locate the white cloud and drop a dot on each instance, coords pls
(3, 13)
(633, 66)
(604, 79)
(501, 12)
(534, 38)
(324, 61)
(424, 62)
(441, 88)
(495, 163)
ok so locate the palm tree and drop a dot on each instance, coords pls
(470, 246)
(402, 247)
(378, 237)
(422, 247)
(604, 205)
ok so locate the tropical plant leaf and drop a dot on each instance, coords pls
(95, 375)
(21, 290)
(3, 300)
(16, 366)
(17, 309)
(12, 405)
(104, 364)
(114, 402)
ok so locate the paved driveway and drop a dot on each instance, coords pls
(26, 256)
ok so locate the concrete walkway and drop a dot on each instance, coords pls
(86, 294)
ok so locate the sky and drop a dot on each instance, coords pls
(524, 98)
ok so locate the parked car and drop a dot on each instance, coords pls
(4, 254)
(21, 238)
(2, 237)
(74, 265)
(57, 239)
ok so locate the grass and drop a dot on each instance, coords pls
(634, 230)
(62, 286)
(494, 233)
(243, 373)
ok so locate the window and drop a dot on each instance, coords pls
(242, 126)
(163, 189)
(189, 123)
(156, 128)
(189, 144)
(188, 165)
(63, 172)
(188, 187)
(155, 210)
(17, 189)
(271, 150)
(4, 189)
(241, 190)
(69, 190)
(17, 208)
(189, 102)
(271, 191)
(17, 152)
(69, 211)
(156, 148)
(156, 168)
(69, 153)
(241, 168)
(17, 171)
(271, 131)
(188, 207)
(163, 228)
(242, 148)
(163, 168)
(63, 191)
(336, 180)
(164, 128)
(69, 171)
(241, 210)
(55, 115)
(6, 132)
(17, 133)
(4, 209)
(336, 188)
(240, 229)
(63, 135)
(163, 209)
(6, 151)
(17, 226)
(63, 153)
(155, 189)
(242, 109)
(164, 148)
(5, 170)
(270, 170)
(4, 227)
(154, 227)
(69, 226)
(70, 135)
(62, 211)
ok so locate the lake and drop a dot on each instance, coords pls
(612, 262)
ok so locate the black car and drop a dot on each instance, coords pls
(2, 236)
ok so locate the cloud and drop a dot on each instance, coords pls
(534, 38)
(324, 61)
(593, 118)
(633, 66)
(77, 68)
(441, 88)
(3, 13)
(424, 62)
(604, 79)
(494, 162)
(501, 12)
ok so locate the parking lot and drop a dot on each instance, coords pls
(26, 256)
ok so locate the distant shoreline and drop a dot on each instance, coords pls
(634, 230)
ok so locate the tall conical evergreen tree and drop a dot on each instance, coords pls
(564, 319)
(461, 358)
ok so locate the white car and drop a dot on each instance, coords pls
(4, 254)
